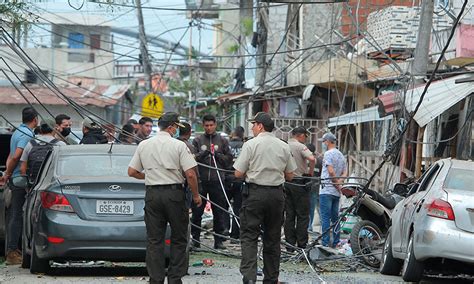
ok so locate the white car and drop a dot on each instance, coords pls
(433, 226)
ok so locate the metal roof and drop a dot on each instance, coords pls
(365, 115)
(440, 96)
(100, 96)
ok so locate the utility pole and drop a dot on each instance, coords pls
(262, 45)
(143, 47)
(245, 13)
(420, 65)
(190, 64)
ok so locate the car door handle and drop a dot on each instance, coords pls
(419, 206)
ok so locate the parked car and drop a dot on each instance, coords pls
(435, 224)
(85, 207)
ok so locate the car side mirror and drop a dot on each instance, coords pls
(20, 182)
(400, 189)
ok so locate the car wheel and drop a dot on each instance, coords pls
(25, 257)
(388, 264)
(38, 265)
(365, 240)
(412, 269)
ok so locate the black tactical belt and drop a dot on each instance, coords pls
(254, 185)
(166, 186)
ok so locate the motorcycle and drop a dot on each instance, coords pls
(374, 211)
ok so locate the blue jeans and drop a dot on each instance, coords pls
(313, 205)
(329, 205)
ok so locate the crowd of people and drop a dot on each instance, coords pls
(255, 186)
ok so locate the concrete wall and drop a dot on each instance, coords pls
(57, 61)
(61, 34)
(275, 32)
(227, 32)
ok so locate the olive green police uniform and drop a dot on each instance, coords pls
(264, 159)
(163, 160)
(297, 198)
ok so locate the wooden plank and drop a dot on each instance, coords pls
(367, 172)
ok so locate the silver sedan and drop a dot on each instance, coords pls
(434, 225)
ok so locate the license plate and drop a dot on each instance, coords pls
(118, 207)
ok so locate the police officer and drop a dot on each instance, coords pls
(160, 161)
(266, 162)
(185, 134)
(297, 195)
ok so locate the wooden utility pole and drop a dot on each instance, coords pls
(420, 66)
(143, 47)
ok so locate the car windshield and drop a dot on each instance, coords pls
(461, 179)
(93, 165)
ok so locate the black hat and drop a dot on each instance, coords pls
(132, 121)
(170, 117)
(300, 130)
(263, 118)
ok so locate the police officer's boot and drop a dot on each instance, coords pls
(219, 245)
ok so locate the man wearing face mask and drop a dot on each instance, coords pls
(161, 161)
(334, 170)
(63, 126)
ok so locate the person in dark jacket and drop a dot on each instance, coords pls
(233, 184)
(210, 147)
(92, 133)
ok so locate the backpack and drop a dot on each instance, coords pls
(36, 157)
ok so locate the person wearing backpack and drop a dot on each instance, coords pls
(37, 149)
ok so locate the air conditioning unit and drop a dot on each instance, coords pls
(32, 78)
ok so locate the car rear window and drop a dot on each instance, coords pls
(461, 179)
(93, 165)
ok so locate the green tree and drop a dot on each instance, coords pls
(213, 88)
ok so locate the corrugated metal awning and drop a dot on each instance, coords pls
(365, 115)
(440, 96)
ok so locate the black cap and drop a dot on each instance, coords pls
(132, 121)
(263, 118)
(300, 130)
(170, 117)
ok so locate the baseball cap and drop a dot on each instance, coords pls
(171, 117)
(328, 137)
(51, 123)
(132, 121)
(263, 118)
(89, 123)
(300, 130)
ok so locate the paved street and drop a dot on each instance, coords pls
(224, 270)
